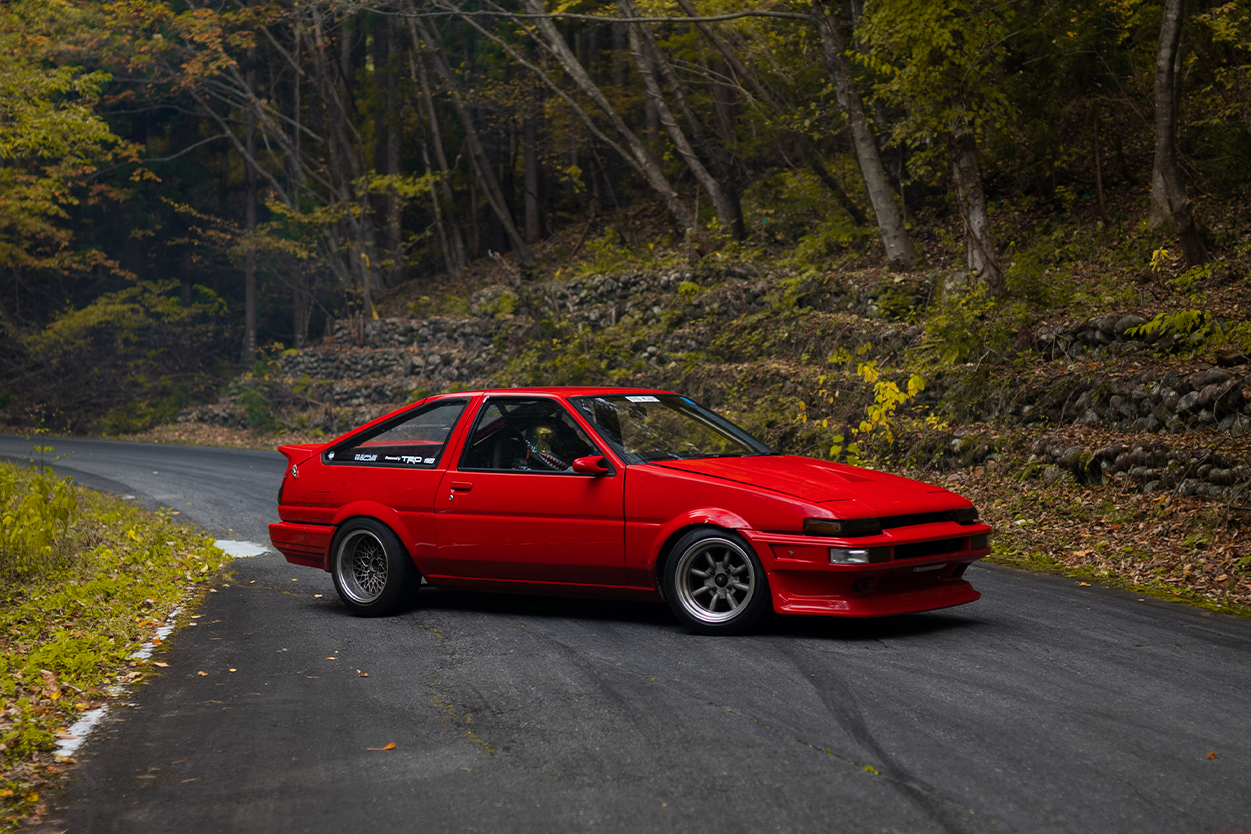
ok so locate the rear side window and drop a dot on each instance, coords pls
(413, 440)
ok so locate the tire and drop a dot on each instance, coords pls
(372, 572)
(714, 583)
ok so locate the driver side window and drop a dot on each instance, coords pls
(525, 435)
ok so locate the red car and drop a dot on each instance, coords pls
(623, 493)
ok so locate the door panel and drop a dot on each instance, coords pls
(531, 527)
(513, 509)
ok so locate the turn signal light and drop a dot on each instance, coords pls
(859, 555)
(842, 527)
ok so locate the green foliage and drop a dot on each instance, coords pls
(140, 415)
(68, 630)
(969, 326)
(1191, 333)
(37, 510)
(939, 62)
(140, 344)
(51, 138)
(609, 253)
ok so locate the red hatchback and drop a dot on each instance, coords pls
(618, 493)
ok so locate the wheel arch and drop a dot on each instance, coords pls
(378, 512)
(713, 518)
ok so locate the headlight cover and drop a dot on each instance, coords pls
(965, 515)
(841, 528)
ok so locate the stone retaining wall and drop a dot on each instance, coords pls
(1153, 467)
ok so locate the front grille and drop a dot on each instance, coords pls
(918, 550)
(916, 518)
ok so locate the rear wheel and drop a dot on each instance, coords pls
(714, 583)
(372, 572)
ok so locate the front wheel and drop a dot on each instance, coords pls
(714, 583)
(371, 571)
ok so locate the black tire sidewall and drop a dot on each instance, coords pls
(400, 569)
(760, 602)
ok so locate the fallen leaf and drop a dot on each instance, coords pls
(234, 670)
(316, 596)
(1084, 584)
(390, 746)
(1222, 577)
(1212, 755)
(361, 674)
(332, 658)
(202, 674)
(160, 663)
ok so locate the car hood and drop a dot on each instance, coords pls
(820, 482)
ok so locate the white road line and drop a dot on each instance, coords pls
(74, 737)
(242, 550)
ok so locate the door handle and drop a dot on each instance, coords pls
(462, 486)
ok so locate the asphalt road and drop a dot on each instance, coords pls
(1042, 707)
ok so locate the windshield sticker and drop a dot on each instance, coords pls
(366, 457)
(644, 398)
(429, 460)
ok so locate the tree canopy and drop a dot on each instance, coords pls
(295, 160)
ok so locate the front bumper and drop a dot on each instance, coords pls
(924, 573)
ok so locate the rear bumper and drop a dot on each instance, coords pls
(303, 544)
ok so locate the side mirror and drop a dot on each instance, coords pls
(590, 465)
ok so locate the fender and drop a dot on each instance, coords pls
(377, 511)
(714, 516)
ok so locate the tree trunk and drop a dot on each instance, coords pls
(899, 252)
(720, 203)
(638, 155)
(1169, 197)
(249, 257)
(534, 228)
(1103, 205)
(454, 250)
(477, 154)
(393, 143)
(979, 249)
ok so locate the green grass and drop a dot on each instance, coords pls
(86, 579)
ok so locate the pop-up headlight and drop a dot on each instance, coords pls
(842, 527)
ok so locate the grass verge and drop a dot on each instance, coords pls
(86, 580)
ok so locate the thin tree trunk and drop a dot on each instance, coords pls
(477, 154)
(249, 257)
(392, 143)
(638, 155)
(533, 220)
(453, 268)
(720, 204)
(979, 249)
(1103, 206)
(899, 252)
(1166, 176)
(455, 255)
(808, 154)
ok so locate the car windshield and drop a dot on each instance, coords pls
(650, 427)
